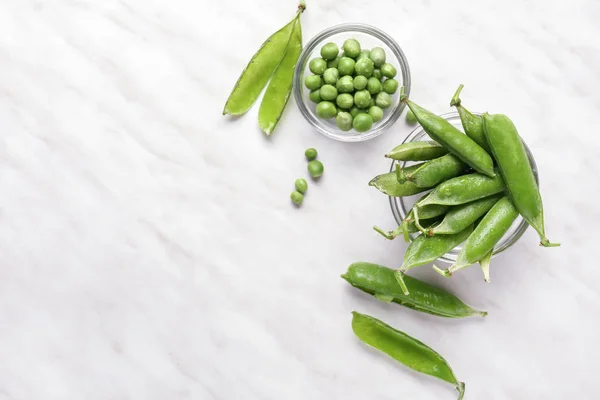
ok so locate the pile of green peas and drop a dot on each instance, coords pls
(353, 87)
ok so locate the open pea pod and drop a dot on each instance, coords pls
(280, 87)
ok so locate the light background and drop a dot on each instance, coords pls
(148, 247)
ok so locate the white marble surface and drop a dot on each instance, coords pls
(148, 246)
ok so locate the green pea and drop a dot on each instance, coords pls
(362, 98)
(377, 74)
(383, 100)
(362, 122)
(330, 51)
(297, 197)
(388, 70)
(326, 110)
(310, 154)
(364, 67)
(464, 189)
(354, 111)
(436, 171)
(331, 76)
(317, 66)
(405, 349)
(333, 63)
(314, 96)
(344, 121)
(459, 217)
(346, 66)
(371, 103)
(379, 281)
(351, 48)
(417, 151)
(345, 100)
(313, 82)
(363, 54)
(328, 92)
(315, 169)
(360, 82)
(410, 118)
(472, 124)
(373, 85)
(376, 113)
(301, 185)
(345, 84)
(378, 56)
(390, 86)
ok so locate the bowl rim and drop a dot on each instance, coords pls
(400, 208)
(298, 87)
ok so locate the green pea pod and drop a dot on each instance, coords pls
(379, 281)
(417, 151)
(404, 348)
(454, 140)
(464, 189)
(472, 124)
(259, 70)
(485, 265)
(280, 87)
(509, 151)
(435, 171)
(460, 217)
(388, 184)
(485, 236)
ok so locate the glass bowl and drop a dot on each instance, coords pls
(369, 37)
(401, 205)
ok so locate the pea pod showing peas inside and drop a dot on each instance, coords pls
(509, 151)
(279, 89)
(404, 348)
(454, 140)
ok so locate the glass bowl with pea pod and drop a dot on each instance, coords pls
(401, 206)
(341, 89)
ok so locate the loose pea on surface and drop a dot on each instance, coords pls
(383, 100)
(362, 98)
(330, 51)
(373, 85)
(351, 48)
(344, 121)
(346, 66)
(331, 76)
(333, 63)
(328, 92)
(314, 96)
(301, 185)
(345, 100)
(313, 82)
(317, 66)
(390, 86)
(388, 70)
(364, 67)
(315, 169)
(310, 154)
(376, 113)
(360, 82)
(378, 56)
(345, 84)
(297, 197)
(362, 122)
(326, 110)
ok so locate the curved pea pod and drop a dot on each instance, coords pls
(417, 151)
(435, 171)
(464, 189)
(485, 236)
(380, 282)
(509, 151)
(404, 348)
(454, 140)
(462, 216)
(279, 89)
(472, 124)
(259, 70)
(388, 184)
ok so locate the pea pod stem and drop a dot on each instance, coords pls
(417, 222)
(456, 98)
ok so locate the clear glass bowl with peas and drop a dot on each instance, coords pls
(401, 205)
(340, 82)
